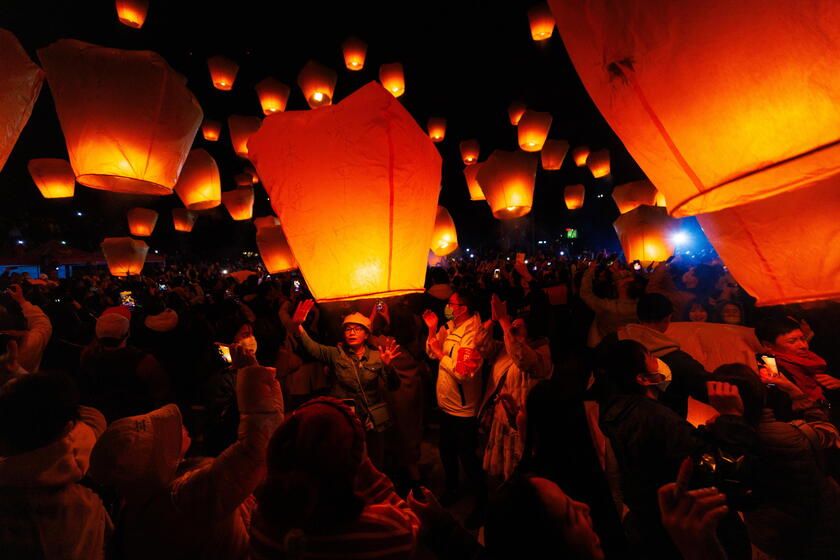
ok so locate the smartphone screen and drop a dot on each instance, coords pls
(768, 361)
(127, 300)
(296, 284)
(224, 352)
(496, 273)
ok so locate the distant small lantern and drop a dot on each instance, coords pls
(631, 195)
(223, 72)
(266, 221)
(211, 130)
(241, 128)
(273, 95)
(249, 169)
(354, 53)
(199, 187)
(542, 22)
(392, 78)
(507, 180)
(317, 83)
(553, 154)
(242, 180)
(125, 256)
(471, 175)
(533, 130)
(183, 220)
(580, 154)
(444, 235)
(598, 163)
(132, 12)
(515, 112)
(573, 195)
(645, 234)
(54, 177)
(20, 84)
(239, 203)
(437, 129)
(470, 150)
(274, 250)
(141, 221)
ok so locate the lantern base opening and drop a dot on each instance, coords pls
(206, 205)
(389, 293)
(511, 212)
(127, 185)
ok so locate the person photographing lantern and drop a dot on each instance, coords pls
(358, 369)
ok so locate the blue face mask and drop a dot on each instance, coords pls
(448, 312)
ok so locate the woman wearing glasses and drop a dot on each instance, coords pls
(358, 369)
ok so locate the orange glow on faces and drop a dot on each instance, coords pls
(53, 177)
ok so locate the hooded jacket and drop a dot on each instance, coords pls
(44, 512)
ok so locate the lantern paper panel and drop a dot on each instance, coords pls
(444, 235)
(515, 112)
(393, 78)
(470, 150)
(533, 130)
(128, 118)
(274, 250)
(630, 195)
(239, 203)
(598, 163)
(573, 196)
(553, 154)
(645, 234)
(354, 51)
(211, 130)
(199, 186)
(141, 221)
(222, 72)
(54, 177)
(125, 256)
(437, 129)
(541, 21)
(273, 94)
(132, 12)
(249, 169)
(720, 104)
(784, 249)
(317, 83)
(241, 128)
(266, 221)
(471, 175)
(507, 180)
(20, 84)
(355, 186)
(183, 220)
(580, 154)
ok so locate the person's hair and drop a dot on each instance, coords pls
(723, 304)
(750, 387)
(35, 410)
(467, 298)
(694, 303)
(768, 330)
(624, 361)
(652, 308)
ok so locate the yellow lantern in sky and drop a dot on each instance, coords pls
(470, 150)
(471, 175)
(541, 20)
(580, 154)
(128, 118)
(573, 196)
(142, 221)
(239, 203)
(507, 180)
(437, 129)
(393, 78)
(132, 12)
(199, 187)
(241, 128)
(183, 220)
(273, 95)
(20, 83)
(211, 130)
(125, 256)
(317, 83)
(53, 177)
(354, 53)
(630, 195)
(444, 235)
(645, 234)
(553, 154)
(533, 130)
(598, 163)
(222, 72)
(274, 250)
(515, 112)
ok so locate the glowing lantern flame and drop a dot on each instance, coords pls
(222, 72)
(273, 95)
(580, 154)
(645, 234)
(199, 187)
(239, 203)
(553, 154)
(142, 221)
(317, 83)
(437, 129)
(20, 83)
(533, 130)
(599, 163)
(393, 78)
(507, 180)
(125, 256)
(211, 130)
(53, 177)
(241, 128)
(132, 12)
(444, 235)
(573, 196)
(183, 220)
(354, 53)
(542, 22)
(471, 175)
(630, 195)
(470, 150)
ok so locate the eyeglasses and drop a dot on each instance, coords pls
(455, 304)
(353, 329)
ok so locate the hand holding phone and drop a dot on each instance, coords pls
(224, 352)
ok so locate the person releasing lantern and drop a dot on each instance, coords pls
(553, 154)
(630, 195)
(222, 72)
(573, 196)
(437, 128)
(317, 83)
(125, 256)
(507, 180)
(541, 21)
(274, 249)
(241, 128)
(580, 154)
(598, 163)
(469, 151)
(533, 130)
(183, 220)
(54, 177)
(444, 235)
(471, 175)
(354, 51)
(199, 186)
(141, 221)
(239, 203)
(515, 112)
(645, 234)
(393, 78)
(132, 12)
(273, 95)
(211, 130)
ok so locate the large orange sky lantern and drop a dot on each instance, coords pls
(199, 187)
(317, 83)
(553, 154)
(515, 111)
(132, 12)
(222, 72)
(573, 196)
(274, 250)
(273, 95)
(541, 21)
(239, 203)
(141, 221)
(354, 51)
(54, 177)
(580, 154)
(211, 130)
(645, 234)
(471, 175)
(470, 149)
(20, 83)
(507, 180)
(598, 163)
(125, 256)
(533, 129)
(437, 129)
(444, 235)
(631, 195)
(183, 220)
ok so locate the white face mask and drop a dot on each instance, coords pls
(249, 343)
(665, 371)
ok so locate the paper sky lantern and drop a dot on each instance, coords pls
(553, 154)
(573, 196)
(630, 195)
(645, 234)
(20, 83)
(317, 83)
(249, 169)
(598, 163)
(128, 118)
(354, 53)
(533, 130)
(783, 249)
(273, 95)
(239, 203)
(507, 180)
(241, 128)
(242, 180)
(125, 256)
(444, 236)
(580, 154)
(743, 106)
(437, 129)
(132, 12)
(53, 177)
(393, 78)
(469, 151)
(471, 175)
(141, 221)
(183, 220)
(199, 187)
(211, 130)
(222, 72)
(515, 112)
(356, 187)
(266, 221)
(542, 22)
(274, 250)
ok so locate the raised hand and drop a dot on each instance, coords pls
(498, 309)
(302, 310)
(389, 352)
(431, 321)
(725, 398)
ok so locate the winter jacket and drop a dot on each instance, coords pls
(458, 385)
(39, 331)
(44, 512)
(610, 314)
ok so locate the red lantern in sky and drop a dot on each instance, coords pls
(444, 235)
(598, 163)
(471, 175)
(241, 128)
(53, 177)
(542, 22)
(573, 196)
(273, 95)
(20, 83)
(645, 234)
(507, 180)
(533, 130)
(132, 12)
(199, 187)
(183, 220)
(274, 250)
(630, 195)
(553, 154)
(239, 203)
(515, 112)
(211, 130)
(222, 72)
(317, 83)
(470, 150)
(354, 53)
(580, 154)
(393, 78)
(437, 129)
(125, 256)
(142, 221)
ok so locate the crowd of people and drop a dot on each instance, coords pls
(216, 411)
